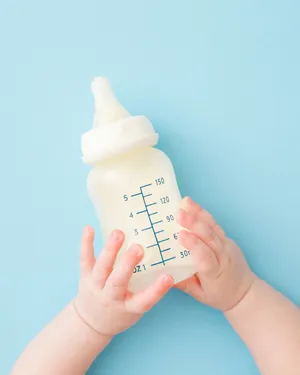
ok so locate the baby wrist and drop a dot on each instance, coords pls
(80, 316)
(245, 296)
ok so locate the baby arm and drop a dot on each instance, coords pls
(103, 308)
(267, 322)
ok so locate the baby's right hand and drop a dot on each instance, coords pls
(223, 275)
(103, 301)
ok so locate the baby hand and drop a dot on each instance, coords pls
(103, 300)
(223, 275)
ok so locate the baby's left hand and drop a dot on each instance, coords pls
(103, 300)
(223, 276)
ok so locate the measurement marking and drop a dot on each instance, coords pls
(148, 195)
(157, 222)
(153, 213)
(144, 186)
(141, 212)
(151, 204)
(152, 225)
(155, 244)
(146, 229)
(162, 262)
(160, 231)
(134, 195)
(166, 249)
(166, 239)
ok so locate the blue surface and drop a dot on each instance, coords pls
(220, 80)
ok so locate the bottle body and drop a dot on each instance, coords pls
(137, 193)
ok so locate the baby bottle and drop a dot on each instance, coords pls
(133, 188)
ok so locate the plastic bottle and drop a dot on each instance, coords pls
(133, 188)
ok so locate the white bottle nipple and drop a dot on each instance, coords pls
(108, 110)
(114, 131)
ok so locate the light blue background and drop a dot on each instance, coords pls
(220, 80)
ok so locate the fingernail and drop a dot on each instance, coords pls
(192, 203)
(188, 239)
(87, 230)
(188, 201)
(117, 235)
(138, 250)
(168, 280)
(184, 202)
(183, 234)
(179, 214)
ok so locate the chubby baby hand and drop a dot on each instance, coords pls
(103, 301)
(223, 276)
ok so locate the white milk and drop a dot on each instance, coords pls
(133, 188)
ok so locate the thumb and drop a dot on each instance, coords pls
(193, 287)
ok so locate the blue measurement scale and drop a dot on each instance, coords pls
(160, 227)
